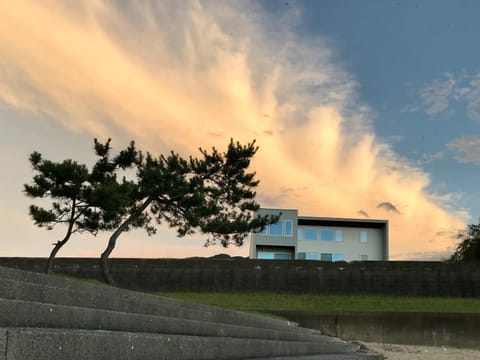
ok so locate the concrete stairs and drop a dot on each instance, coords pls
(49, 317)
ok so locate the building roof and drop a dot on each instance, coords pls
(355, 223)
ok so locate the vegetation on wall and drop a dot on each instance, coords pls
(469, 247)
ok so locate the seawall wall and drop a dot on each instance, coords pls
(406, 278)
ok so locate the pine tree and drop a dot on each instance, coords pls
(469, 247)
(83, 200)
(212, 194)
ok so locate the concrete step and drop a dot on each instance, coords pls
(28, 286)
(17, 313)
(353, 356)
(53, 344)
(48, 317)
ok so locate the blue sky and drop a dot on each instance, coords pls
(397, 51)
(360, 108)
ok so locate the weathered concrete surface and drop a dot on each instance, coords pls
(3, 344)
(356, 356)
(16, 313)
(411, 328)
(39, 321)
(48, 344)
(412, 278)
(17, 284)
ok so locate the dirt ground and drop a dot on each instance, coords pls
(412, 352)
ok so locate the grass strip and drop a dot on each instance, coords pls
(265, 300)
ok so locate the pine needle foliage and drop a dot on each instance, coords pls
(469, 247)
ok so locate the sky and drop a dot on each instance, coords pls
(360, 109)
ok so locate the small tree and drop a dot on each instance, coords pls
(84, 201)
(469, 247)
(65, 183)
(213, 195)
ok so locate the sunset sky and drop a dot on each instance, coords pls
(360, 108)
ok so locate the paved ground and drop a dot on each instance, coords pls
(411, 352)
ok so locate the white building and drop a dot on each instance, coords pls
(320, 238)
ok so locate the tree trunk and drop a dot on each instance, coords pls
(56, 248)
(113, 240)
(60, 243)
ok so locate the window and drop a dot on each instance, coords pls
(276, 229)
(363, 236)
(326, 257)
(311, 256)
(339, 235)
(326, 235)
(338, 257)
(363, 257)
(266, 255)
(288, 228)
(310, 234)
(301, 256)
(299, 234)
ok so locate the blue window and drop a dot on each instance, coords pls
(310, 234)
(276, 229)
(339, 235)
(282, 256)
(301, 256)
(326, 257)
(338, 257)
(266, 255)
(363, 236)
(288, 228)
(311, 256)
(326, 235)
(263, 231)
(363, 257)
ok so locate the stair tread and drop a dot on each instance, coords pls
(39, 344)
(35, 314)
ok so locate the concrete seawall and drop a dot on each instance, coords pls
(409, 328)
(294, 276)
(46, 317)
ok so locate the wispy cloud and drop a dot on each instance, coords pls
(437, 94)
(363, 213)
(426, 159)
(441, 92)
(466, 149)
(472, 95)
(184, 74)
(388, 206)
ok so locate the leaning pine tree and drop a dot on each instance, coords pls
(83, 200)
(213, 194)
(65, 184)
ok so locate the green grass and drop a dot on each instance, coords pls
(265, 300)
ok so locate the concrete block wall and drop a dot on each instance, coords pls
(296, 276)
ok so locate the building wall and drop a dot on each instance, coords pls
(296, 242)
(266, 243)
(347, 247)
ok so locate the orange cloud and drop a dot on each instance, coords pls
(189, 74)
